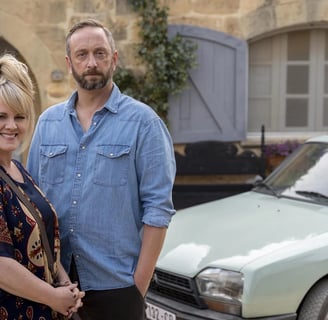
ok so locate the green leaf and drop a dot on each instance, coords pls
(166, 61)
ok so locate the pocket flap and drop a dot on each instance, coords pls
(52, 151)
(113, 151)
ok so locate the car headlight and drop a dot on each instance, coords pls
(221, 289)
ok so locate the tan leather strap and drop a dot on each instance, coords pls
(38, 219)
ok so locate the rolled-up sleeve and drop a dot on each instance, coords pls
(156, 168)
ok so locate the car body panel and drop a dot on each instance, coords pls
(278, 241)
(287, 232)
(279, 223)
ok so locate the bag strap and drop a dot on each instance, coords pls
(33, 211)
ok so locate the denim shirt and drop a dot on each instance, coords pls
(105, 184)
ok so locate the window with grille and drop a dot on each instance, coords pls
(288, 82)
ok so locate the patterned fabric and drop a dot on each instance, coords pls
(20, 240)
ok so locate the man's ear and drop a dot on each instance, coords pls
(68, 64)
(115, 60)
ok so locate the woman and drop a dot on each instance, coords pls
(25, 280)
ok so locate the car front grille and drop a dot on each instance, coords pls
(176, 287)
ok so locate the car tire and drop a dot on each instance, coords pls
(315, 305)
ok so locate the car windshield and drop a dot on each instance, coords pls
(301, 176)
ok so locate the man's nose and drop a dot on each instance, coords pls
(91, 61)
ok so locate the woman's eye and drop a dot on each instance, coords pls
(21, 117)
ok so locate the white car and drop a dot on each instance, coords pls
(261, 254)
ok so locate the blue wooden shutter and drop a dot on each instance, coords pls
(213, 106)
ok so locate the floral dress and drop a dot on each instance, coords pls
(20, 240)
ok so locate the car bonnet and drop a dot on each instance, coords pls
(232, 232)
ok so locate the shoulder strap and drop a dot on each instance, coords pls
(32, 210)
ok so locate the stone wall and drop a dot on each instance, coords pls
(248, 19)
(37, 29)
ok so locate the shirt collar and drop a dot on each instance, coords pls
(112, 104)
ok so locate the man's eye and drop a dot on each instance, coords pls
(20, 117)
(100, 54)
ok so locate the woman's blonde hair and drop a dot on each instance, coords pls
(17, 91)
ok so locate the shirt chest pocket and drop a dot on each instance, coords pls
(52, 163)
(112, 165)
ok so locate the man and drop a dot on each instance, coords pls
(106, 162)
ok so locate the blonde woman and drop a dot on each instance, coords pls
(25, 280)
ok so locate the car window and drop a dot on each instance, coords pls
(302, 175)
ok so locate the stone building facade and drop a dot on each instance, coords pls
(36, 29)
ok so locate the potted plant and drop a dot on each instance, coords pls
(275, 153)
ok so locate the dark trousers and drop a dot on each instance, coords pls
(116, 304)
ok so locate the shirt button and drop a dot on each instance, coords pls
(79, 175)
(74, 202)
(82, 147)
(72, 230)
(95, 123)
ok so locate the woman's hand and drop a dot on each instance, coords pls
(66, 298)
(78, 304)
(65, 281)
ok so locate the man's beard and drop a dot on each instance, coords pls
(97, 83)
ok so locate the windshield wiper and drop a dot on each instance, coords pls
(312, 194)
(267, 186)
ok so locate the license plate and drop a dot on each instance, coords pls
(155, 313)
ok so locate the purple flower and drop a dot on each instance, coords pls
(281, 149)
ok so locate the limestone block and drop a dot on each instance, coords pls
(123, 8)
(51, 12)
(92, 7)
(289, 12)
(317, 10)
(248, 6)
(177, 7)
(53, 36)
(220, 7)
(257, 22)
(119, 30)
(232, 27)
(214, 23)
(57, 90)
(127, 55)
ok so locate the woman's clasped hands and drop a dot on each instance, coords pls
(67, 299)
